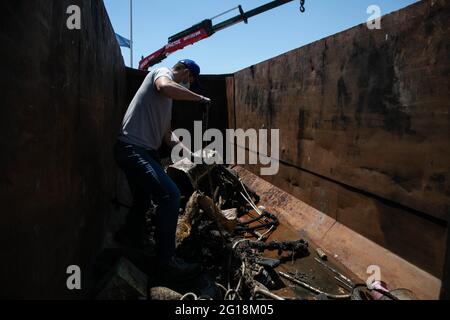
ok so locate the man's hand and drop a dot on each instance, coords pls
(205, 104)
(205, 101)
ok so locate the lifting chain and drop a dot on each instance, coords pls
(302, 6)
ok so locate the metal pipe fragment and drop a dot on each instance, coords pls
(313, 289)
(350, 282)
(268, 294)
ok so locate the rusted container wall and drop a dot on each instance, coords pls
(445, 288)
(364, 127)
(62, 94)
(186, 113)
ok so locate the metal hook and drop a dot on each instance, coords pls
(302, 6)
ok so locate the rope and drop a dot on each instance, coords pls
(187, 295)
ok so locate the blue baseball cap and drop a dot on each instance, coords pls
(194, 68)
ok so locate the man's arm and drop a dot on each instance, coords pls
(174, 91)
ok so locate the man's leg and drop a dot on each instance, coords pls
(166, 218)
(135, 226)
(146, 174)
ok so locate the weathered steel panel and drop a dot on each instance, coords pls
(364, 127)
(345, 245)
(368, 108)
(231, 103)
(185, 113)
(63, 96)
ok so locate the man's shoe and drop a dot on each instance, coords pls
(177, 269)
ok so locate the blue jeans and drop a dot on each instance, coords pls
(148, 180)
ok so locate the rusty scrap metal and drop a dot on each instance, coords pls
(230, 214)
(227, 219)
(314, 289)
(265, 235)
(248, 198)
(247, 251)
(263, 276)
(229, 198)
(267, 293)
(228, 222)
(231, 177)
(340, 275)
(299, 247)
(246, 228)
(211, 217)
(218, 182)
(268, 262)
(253, 230)
(269, 220)
(184, 226)
(344, 283)
(322, 255)
(402, 294)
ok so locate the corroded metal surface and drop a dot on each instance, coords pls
(364, 127)
(367, 108)
(63, 97)
(412, 236)
(344, 247)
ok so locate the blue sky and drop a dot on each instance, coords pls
(266, 36)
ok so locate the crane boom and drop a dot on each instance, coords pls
(206, 29)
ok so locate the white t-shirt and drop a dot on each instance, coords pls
(149, 115)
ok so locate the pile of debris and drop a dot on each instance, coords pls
(221, 227)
